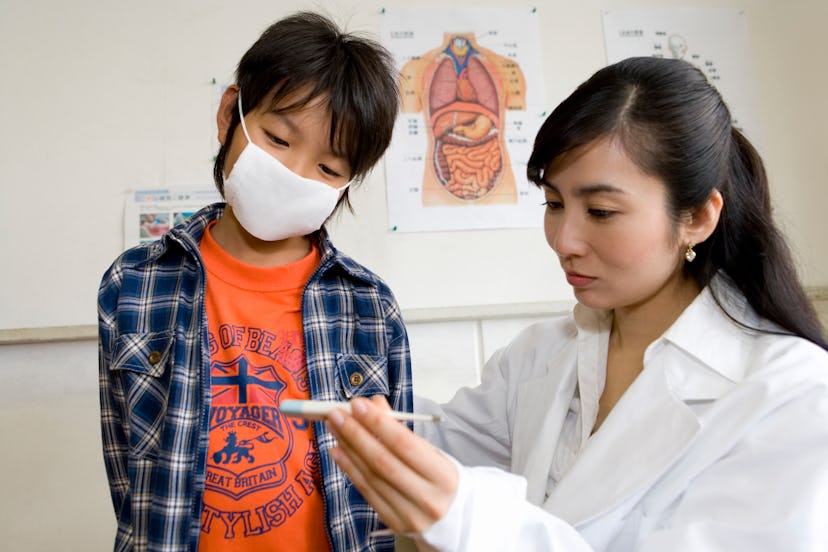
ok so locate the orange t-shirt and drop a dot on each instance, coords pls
(262, 487)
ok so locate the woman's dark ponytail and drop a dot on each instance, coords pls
(749, 247)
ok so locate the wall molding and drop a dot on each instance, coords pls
(48, 334)
(57, 334)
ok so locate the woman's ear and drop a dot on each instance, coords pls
(703, 221)
(227, 107)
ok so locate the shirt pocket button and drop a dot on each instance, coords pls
(356, 379)
(154, 357)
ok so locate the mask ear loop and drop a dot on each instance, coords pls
(241, 116)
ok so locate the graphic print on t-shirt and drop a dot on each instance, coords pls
(249, 430)
(256, 438)
(254, 449)
(262, 486)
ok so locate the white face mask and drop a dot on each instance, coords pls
(272, 202)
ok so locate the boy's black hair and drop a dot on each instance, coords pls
(355, 75)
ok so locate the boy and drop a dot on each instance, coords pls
(204, 332)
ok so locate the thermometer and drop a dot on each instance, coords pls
(318, 410)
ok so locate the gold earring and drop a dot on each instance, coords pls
(689, 254)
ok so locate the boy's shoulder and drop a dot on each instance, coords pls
(145, 256)
(170, 249)
(136, 258)
(356, 271)
(142, 253)
(190, 230)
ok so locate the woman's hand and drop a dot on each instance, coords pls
(408, 482)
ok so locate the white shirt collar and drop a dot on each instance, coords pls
(714, 347)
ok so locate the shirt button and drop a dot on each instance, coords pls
(356, 378)
(154, 358)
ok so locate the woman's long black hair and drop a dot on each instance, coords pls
(674, 125)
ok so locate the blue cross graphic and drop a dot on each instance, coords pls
(243, 378)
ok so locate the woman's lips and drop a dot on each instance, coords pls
(578, 280)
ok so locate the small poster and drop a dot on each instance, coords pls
(148, 214)
(713, 39)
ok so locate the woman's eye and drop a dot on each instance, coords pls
(601, 214)
(553, 205)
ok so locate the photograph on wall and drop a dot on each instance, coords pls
(148, 214)
(713, 39)
(472, 96)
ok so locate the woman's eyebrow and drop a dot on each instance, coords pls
(588, 189)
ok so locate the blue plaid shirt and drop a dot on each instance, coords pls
(155, 383)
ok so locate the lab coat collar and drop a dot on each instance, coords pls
(705, 333)
(651, 426)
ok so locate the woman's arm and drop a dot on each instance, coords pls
(418, 490)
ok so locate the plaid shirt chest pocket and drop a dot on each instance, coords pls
(142, 364)
(362, 375)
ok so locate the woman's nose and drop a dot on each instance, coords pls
(565, 236)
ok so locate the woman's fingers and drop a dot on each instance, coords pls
(405, 478)
(380, 401)
(394, 508)
(386, 511)
(378, 472)
(410, 448)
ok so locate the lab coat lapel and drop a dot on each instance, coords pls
(647, 431)
(543, 405)
(651, 427)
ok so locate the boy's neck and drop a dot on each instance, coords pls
(236, 241)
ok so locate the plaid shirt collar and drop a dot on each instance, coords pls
(188, 236)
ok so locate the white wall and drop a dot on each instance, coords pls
(54, 490)
(97, 97)
(101, 97)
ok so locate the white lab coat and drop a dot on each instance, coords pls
(721, 443)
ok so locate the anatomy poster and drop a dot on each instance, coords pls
(713, 39)
(472, 96)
